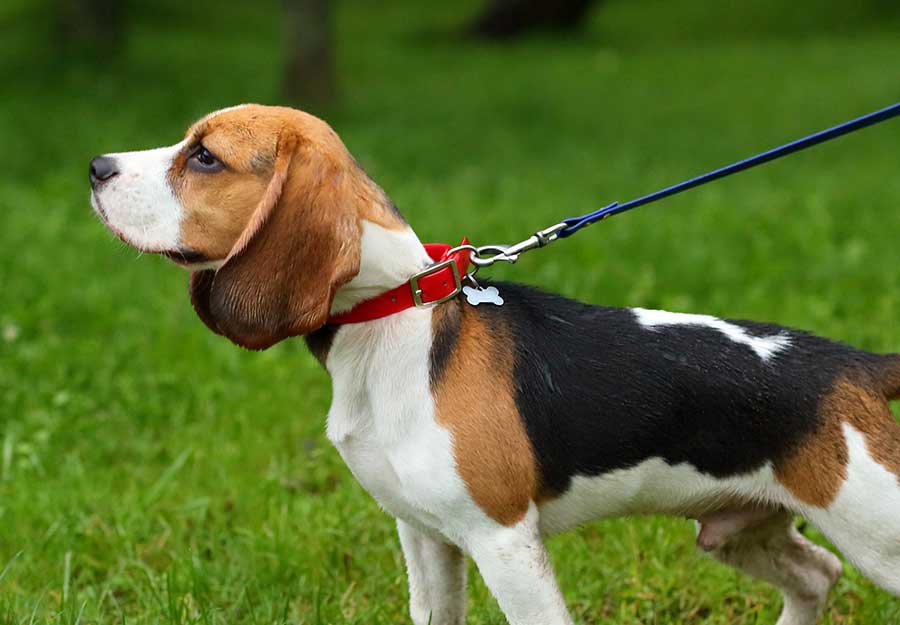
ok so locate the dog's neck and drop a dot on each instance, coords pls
(388, 258)
(358, 357)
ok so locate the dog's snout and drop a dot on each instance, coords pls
(102, 169)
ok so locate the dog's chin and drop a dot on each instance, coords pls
(188, 259)
(191, 260)
(97, 206)
(104, 218)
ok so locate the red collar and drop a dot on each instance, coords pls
(433, 285)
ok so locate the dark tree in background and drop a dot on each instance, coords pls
(309, 80)
(90, 25)
(504, 19)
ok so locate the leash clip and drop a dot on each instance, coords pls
(487, 255)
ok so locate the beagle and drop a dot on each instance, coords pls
(483, 428)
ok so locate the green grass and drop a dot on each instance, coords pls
(152, 472)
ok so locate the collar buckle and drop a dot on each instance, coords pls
(417, 293)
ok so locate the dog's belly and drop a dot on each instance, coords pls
(652, 487)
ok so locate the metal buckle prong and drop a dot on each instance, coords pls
(417, 292)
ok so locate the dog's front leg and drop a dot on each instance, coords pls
(515, 566)
(437, 578)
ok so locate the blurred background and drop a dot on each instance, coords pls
(151, 472)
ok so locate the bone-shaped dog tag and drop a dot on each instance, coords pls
(489, 295)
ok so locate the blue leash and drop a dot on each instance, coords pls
(489, 254)
(574, 224)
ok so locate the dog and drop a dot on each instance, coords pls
(484, 427)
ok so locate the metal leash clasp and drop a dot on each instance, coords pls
(487, 255)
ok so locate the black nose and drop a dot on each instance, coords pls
(102, 169)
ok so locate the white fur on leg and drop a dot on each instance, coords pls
(515, 566)
(864, 520)
(775, 552)
(437, 578)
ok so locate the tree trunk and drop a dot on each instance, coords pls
(90, 25)
(309, 79)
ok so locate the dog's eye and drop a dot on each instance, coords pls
(205, 161)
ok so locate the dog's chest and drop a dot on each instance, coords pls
(377, 469)
(412, 478)
(382, 418)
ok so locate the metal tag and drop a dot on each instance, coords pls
(489, 295)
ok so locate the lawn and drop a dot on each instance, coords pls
(151, 472)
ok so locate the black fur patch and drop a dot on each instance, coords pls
(319, 342)
(445, 332)
(598, 391)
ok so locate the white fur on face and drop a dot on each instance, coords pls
(138, 204)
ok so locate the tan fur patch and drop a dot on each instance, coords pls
(816, 471)
(218, 206)
(870, 414)
(817, 468)
(300, 244)
(474, 400)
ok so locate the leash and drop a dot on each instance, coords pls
(486, 255)
(444, 279)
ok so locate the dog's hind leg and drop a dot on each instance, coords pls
(774, 551)
(864, 519)
(861, 514)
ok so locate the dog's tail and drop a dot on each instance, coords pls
(890, 376)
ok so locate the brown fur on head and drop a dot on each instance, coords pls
(270, 198)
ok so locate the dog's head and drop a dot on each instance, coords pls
(263, 204)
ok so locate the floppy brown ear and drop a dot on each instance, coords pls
(201, 285)
(300, 246)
